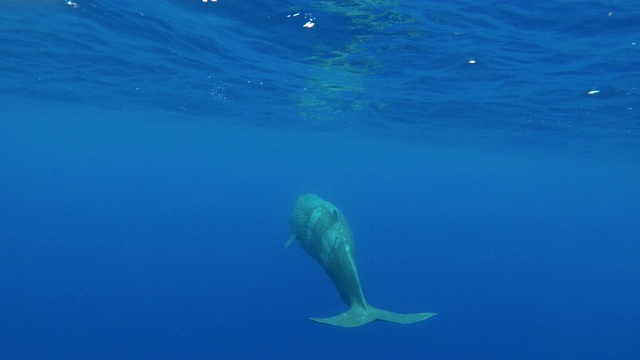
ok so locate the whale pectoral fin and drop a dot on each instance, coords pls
(353, 318)
(292, 238)
(357, 316)
(399, 318)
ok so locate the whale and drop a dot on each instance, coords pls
(324, 233)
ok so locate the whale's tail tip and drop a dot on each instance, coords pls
(357, 316)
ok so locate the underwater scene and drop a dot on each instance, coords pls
(357, 179)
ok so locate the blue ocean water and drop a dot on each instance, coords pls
(485, 155)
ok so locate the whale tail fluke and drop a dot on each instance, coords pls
(357, 316)
(401, 318)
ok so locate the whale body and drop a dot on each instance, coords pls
(324, 234)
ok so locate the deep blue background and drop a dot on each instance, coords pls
(151, 153)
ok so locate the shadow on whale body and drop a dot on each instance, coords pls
(324, 234)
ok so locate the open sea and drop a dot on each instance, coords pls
(485, 153)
